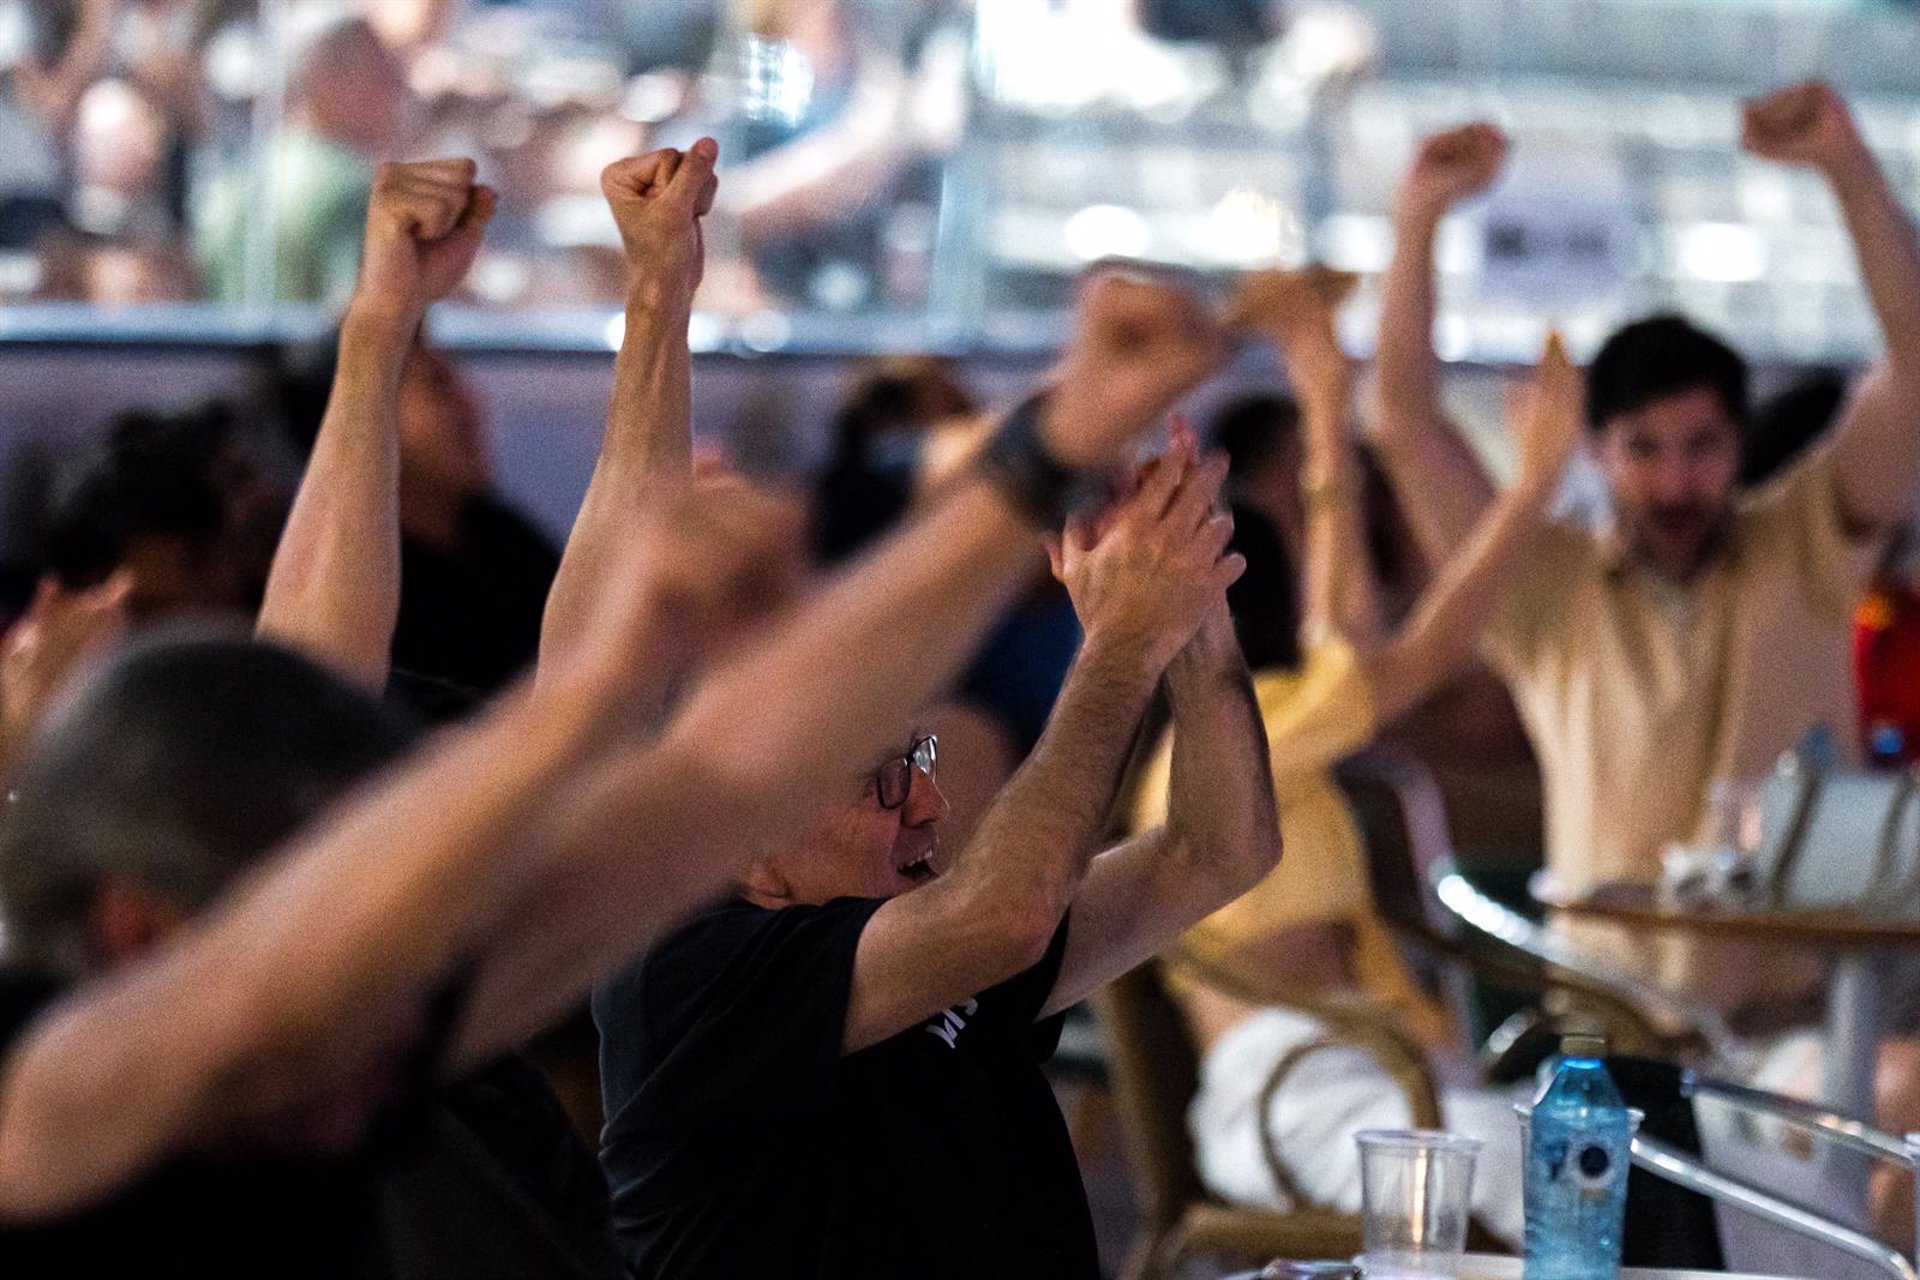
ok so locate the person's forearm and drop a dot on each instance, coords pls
(1889, 255)
(1033, 845)
(1220, 801)
(334, 588)
(1458, 605)
(313, 972)
(1877, 444)
(647, 451)
(1338, 587)
(1405, 367)
(1436, 477)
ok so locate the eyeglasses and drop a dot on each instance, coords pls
(893, 780)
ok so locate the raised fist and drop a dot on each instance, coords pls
(1151, 569)
(1298, 310)
(425, 221)
(1276, 304)
(1451, 166)
(658, 200)
(1139, 344)
(1807, 124)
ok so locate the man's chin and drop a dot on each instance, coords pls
(1677, 554)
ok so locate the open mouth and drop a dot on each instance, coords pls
(920, 870)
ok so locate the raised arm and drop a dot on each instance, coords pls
(1440, 482)
(1296, 311)
(1455, 610)
(1877, 445)
(316, 972)
(1141, 589)
(658, 201)
(334, 589)
(1222, 833)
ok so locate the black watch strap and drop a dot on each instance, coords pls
(1044, 489)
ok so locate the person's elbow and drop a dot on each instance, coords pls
(1256, 856)
(1019, 925)
(1229, 864)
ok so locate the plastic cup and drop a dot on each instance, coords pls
(1416, 1191)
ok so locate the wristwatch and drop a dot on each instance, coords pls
(1044, 489)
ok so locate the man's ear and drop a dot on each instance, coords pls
(127, 922)
(766, 885)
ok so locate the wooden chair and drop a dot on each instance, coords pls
(1155, 1072)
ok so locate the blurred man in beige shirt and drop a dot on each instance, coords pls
(1706, 630)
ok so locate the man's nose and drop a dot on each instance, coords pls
(1673, 483)
(926, 803)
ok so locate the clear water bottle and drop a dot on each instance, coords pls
(1578, 1140)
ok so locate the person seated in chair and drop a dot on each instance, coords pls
(837, 1072)
(1265, 975)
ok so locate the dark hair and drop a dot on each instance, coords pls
(865, 490)
(184, 762)
(156, 474)
(1265, 601)
(1658, 358)
(1253, 430)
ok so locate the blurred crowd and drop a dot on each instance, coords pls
(221, 149)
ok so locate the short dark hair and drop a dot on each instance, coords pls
(1658, 358)
(188, 758)
(1252, 430)
(155, 474)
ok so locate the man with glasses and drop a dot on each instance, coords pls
(837, 1072)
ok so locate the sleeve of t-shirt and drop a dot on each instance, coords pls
(742, 1012)
(1017, 1002)
(1801, 516)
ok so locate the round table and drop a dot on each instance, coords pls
(1855, 940)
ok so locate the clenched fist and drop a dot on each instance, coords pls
(658, 200)
(425, 221)
(1139, 344)
(1449, 167)
(1808, 124)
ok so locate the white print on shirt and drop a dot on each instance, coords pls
(950, 1024)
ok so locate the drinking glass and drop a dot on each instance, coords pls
(1415, 1194)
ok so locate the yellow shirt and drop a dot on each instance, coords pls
(1313, 717)
(1638, 692)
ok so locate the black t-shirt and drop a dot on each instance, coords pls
(470, 619)
(739, 1142)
